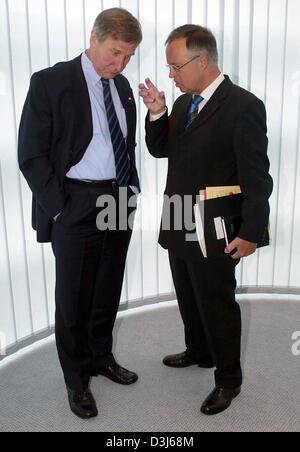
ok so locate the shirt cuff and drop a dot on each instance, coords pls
(156, 117)
(135, 190)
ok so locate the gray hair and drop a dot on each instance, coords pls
(197, 39)
(119, 24)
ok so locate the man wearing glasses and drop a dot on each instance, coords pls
(214, 136)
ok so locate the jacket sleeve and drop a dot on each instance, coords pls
(157, 136)
(251, 143)
(34, 146)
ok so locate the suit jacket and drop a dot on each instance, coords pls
(55, 131)
(225, 145)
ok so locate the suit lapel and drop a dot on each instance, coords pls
(83, 112)
(81, 101)
(185, 104)
(82, 104)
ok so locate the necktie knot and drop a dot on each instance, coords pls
(196, 101)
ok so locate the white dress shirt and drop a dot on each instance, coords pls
(98, 162)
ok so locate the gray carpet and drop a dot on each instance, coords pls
(33, 398)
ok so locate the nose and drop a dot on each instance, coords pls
(171, 73)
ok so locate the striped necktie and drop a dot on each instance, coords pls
(117, 139)
(193, 110)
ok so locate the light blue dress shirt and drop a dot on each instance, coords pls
(98, 162)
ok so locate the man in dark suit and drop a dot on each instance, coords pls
(76, 146)
(215, 136)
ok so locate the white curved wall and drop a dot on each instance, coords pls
(259, 48)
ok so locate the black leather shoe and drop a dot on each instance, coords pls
(185, 360)
(82, 403)
(219, 400)
(118, 374)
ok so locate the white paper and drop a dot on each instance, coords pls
(225, 232)
(200, 230)
(219, 228)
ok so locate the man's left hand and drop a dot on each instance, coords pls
(243, 248)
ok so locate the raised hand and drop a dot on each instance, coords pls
(154, 100)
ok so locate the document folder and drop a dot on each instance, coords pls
(221, 222)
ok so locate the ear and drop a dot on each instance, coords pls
(93, 38)
(203, 61)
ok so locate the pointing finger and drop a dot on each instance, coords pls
(149, 83)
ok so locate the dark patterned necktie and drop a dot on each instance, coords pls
(117, 139)
(193, 110)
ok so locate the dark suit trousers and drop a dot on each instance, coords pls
(89, 274)
(210, 313)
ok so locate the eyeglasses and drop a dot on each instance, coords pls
(178, 68)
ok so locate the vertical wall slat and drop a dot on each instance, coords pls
(288, 159)
(56, 31)
(230, 40)
(134, 264)
(274, 99)
(8, 327)
(257, 86)
(164, 83)
(148, 169)
(75, 31)
(92, 9)
(294, 84)
(16, 61)
(8, 323)
(199, 12)
(295, 242)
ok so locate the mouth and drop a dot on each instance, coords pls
(112, 72)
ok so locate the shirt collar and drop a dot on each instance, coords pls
(89, 70)
(209, 91)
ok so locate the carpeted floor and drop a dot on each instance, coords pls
(33, 397)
